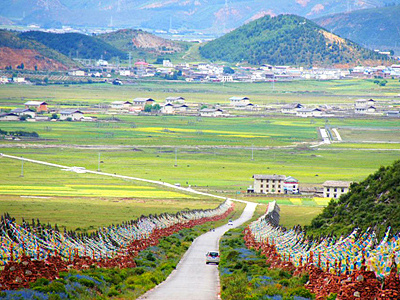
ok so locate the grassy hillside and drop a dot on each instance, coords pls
(75, 44)
(144, 45)
(18, 49)
(374, 203)
(286, 40)
(375, 28)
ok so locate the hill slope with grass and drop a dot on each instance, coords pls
(375, 27)
(373, 203)
(19, 52)
(287, 40)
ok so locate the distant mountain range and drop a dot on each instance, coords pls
(373, 28)
(287, 40)
(217, 16)
(280, 40)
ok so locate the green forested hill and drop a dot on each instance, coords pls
(286, 40)
(75, 45)
(374, 202)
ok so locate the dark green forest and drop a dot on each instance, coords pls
(285, 40)
(373, 203)
(75, 45)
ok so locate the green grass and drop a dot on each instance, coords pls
(212, 154)
(87, 214)
(304, 91)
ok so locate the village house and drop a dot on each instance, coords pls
(76, 73)
(4, 80)
(364, 106)
(24, 112)
(239, 101)
(225, 78)
(168, 109)
(365, 110)
(173, 100)
(291, 108)
(19, 80)
(211, 112)
(291, 185)
(248, 106)
(309, 112)
(36, 105)
(334, 189)
(181, 108)
(269, 184)
(121, 105)
(9, 117)
(73, 115)
(140, 103)
(125, 72)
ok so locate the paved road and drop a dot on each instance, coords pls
(193, 279)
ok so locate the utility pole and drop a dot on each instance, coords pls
(22, 169)
(176, 158)
(98, 164)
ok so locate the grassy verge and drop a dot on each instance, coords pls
(153, 266)
(98, 212)
(244, 274)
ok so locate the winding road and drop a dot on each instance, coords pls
(193, 279)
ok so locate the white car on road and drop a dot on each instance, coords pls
(212, 257)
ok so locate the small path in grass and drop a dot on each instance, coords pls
(193, 279)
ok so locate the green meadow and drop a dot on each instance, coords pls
(217, 155)
(303, 91)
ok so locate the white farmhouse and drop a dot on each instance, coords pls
(291, 108)
(211, 112)
(140, 103)
(334, 189)
(269, 184)
(239, 101)
(309, 112)
(24, 111)
(175, 100)
(9, 117)
(168, 109)
(121, 105)
(74, 115)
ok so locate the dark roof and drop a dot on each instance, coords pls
(292, 106)
(21, 110)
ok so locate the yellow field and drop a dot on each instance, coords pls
(92, 191)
